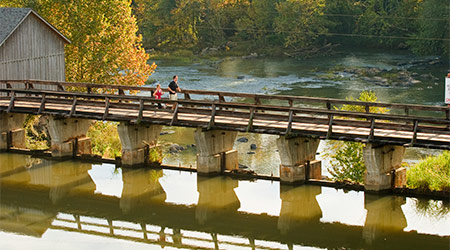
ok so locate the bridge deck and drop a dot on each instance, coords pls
(419, 130)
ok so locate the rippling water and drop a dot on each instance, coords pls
(73, 205)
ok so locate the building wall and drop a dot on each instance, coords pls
(34, 51)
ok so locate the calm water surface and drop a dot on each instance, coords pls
(72, 205)
(289, 76)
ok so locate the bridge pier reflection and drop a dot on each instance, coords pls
(62, 178)
(384, 216)
(141, 187)
(216, 197)
(12, 133)
(299, 206)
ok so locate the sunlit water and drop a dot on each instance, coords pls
(289, 76)
(72, 205)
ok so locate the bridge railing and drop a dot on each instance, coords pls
(240, 116)
(155, 234)
(258, 99)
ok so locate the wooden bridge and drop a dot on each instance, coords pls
(301, 123)
(404, 124)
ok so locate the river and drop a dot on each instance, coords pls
(329, 77)
(73, 205)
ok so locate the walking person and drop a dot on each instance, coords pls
(173, 89)
(157, 94)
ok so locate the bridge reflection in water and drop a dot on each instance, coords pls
(39, 195)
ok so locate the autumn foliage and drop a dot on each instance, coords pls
(105, 47)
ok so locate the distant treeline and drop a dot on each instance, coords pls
(291, 25)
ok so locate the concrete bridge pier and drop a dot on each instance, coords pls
(215, 151)
(68, 136)
(383, 167)
(298, 156)
(135, 139)
(12, 133)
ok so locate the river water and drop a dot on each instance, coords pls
(72, 205)
(320, 77)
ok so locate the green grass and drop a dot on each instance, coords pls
(431, 173)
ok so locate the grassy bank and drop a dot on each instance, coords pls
(431, 173)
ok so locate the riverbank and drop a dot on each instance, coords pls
(241, 175)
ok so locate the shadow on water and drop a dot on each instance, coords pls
(40, 196)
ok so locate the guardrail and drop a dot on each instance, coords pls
(245, 117)
(291, 101)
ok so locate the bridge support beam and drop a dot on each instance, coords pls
(298, 156)
(135, 140)
(12, 133)
(215, 151)
(68, 136)
(383, 167)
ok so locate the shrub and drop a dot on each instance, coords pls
(105, 139)
(431, 173)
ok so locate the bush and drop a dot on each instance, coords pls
(36, 137)
(156, 155)
(347, 162)
(431, 173)
(105, 139)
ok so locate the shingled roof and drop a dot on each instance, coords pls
(11, 18)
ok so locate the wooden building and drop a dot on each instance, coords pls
(30, 47)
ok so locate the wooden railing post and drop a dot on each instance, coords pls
(330, 126)
(11, 102)
(213, 117)
(105, 115)
(175, 115)
(42, 106)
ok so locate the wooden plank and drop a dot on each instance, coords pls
(250, 120)
(330, 126)
(141, 110)
(289, 126)
(213, 116)
(175, 115)
(42, 106)
(372, 130)
(414, 138)
(221, 97)
(11, 102)
(105, 115)
(74, 107)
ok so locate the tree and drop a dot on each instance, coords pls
(300, 22)
(432, 37)
(387, 18)
(347, 158)
(257, 25)
(105, 47)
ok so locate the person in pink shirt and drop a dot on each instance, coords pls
(157, 94)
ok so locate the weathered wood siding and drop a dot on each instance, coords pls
(33, 51)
